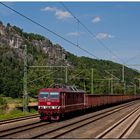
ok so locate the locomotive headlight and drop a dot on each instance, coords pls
(55, 107)
(42, 107)
(48, 107)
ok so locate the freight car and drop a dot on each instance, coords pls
(92, 101)
(61, 100)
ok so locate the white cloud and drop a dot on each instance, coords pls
(96, 19)
(74, 33)
(51, 9)
(102, 36)
(60, 14)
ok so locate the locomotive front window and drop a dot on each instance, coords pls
(43, 94)
(54, 95)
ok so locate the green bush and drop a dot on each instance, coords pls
(2, 101)
(2, 111)
(32, 110)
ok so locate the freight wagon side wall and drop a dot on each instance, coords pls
(100, 100)
(72, 101)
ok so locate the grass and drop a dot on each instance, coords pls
(8, 110)
(16, 113)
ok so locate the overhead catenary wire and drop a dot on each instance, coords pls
(132, 58)
(94, 36)
(91, 33)
(68, 41)
(40, 77)
(53, 32)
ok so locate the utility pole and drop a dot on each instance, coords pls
(111, 86)
(111, 80)
(122, 73)
(92, 81)
(135, 89)
(66, 75)
(124, 86)
(25, 94)
(139, 83)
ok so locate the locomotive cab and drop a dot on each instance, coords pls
(49, 104)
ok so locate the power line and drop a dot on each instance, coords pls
(132, 58)
(56, 34)
(70, 42)
(93, 35)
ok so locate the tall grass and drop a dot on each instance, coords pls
(16, 113)
(7, 112)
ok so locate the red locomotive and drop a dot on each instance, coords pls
(61, 100)
(55, 102)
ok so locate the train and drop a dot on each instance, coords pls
(58, 101)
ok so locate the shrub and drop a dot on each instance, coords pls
(32, 110)
(2, 101)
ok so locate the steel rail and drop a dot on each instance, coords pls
(93, 119)
(11, 131)
(123, 135)
(114, 127)
(19, 129)
(18, 119)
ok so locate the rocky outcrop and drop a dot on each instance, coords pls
(14, 37)
(9, 37)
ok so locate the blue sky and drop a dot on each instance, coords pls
(114, 24)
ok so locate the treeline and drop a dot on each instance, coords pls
(11, 72)
(11, 75)
(107, 75)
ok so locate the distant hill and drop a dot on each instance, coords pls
(41, 51)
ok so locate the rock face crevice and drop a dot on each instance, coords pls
(14, 37)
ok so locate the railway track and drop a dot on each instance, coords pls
(121, 128)
(57, 133)
(55, 130)
(18, 119)
(18, 129)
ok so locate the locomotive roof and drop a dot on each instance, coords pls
(62, 88)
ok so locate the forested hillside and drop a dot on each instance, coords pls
(41, 51)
